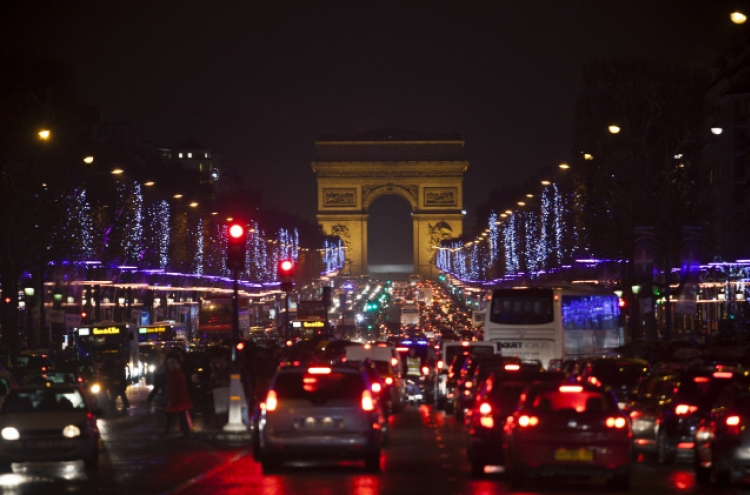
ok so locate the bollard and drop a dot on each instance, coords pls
(235, 405)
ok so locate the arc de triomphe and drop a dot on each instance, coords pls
(426, 170)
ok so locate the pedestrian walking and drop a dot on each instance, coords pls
(160, 377)
(116, 382)
(178, 399)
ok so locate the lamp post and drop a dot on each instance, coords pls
(30, 335)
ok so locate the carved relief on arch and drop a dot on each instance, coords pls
(342, 231)
(409, 193)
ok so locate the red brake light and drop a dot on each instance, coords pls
(512, 367)
(528, 420)
(271, 401)
(394, 362)
(618, 422)
(319, 370)
(465, 343)
(425, 370)
(684, 409)
(700, 379)
(376, 387)
(440, 364)
(733, 420)
(723, 374)
(388, 380)
(368, 404)
(485, 408)
(571, 388)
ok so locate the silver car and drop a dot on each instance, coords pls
(320, 413)
(48, 424)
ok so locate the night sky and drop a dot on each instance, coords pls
(258, 81)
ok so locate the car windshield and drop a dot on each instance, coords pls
(319, 387)
(700, 389)
(26, 401)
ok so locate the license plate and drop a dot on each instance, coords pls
(320, 423)
(584, 455)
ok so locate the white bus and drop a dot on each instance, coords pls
(554, 323)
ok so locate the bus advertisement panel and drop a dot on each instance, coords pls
(215, 318)
(162, 331)
(554, 323)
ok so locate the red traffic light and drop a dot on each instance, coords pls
(236, 231)
(240, 346)
(286, 266)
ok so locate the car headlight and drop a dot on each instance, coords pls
(71, 431)
(95, 388)
(10, 433)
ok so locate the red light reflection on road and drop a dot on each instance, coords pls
(683, 480)
(364, 485)
(484, 488)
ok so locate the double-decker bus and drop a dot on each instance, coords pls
(215, 318)
(554, 323)
(107, 340)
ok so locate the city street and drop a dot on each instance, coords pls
(425, 456)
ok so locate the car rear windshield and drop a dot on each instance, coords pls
(618, 373)
(584, 401)
(317, 387)
(506, 394)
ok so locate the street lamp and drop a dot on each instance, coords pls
(738, 17)
(614, 129)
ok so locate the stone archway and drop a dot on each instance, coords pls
(426, 170)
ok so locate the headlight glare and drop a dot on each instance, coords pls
(71, 431)
(10, 433)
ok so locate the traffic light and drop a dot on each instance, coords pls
(236, 247)
(286, 274)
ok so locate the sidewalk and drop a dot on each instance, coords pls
(207, 425)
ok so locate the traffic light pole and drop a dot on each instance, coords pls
(235, 315)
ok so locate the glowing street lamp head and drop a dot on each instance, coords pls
(44, 134)
(614, 129)
(738, 17)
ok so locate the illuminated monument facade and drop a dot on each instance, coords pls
(425, 169)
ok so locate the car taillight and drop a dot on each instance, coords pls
(425, 370)
(526, 421)
(723, 374)
(485, 408)
(733, 425)
(376, 387)
(571, 388)
(394, 362)
(440, 364)
(618, 422)
(388, 380)
(512, 367)
(319, 370)
(272, 401)
(468, 384)
(684, 409)
(368, 404)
